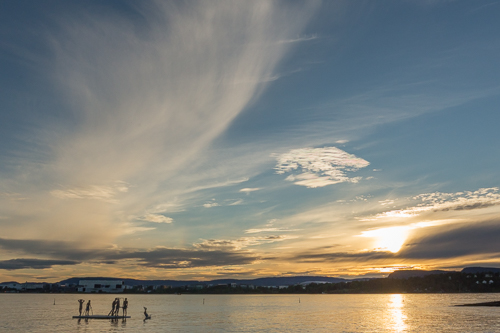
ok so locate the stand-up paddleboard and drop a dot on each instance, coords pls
(101, 317)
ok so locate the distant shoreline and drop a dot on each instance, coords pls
(276, 293)
(469, 280)
(495, 303)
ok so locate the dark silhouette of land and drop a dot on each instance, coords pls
(469, 280)
(497, 303)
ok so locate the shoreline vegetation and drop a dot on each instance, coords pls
(448, 282)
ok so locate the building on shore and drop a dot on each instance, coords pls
(101, 286)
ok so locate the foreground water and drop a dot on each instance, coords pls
(254, 313)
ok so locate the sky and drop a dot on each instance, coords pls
(241, 139)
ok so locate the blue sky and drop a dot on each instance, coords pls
(199, 140)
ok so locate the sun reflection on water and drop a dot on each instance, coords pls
(397, 322)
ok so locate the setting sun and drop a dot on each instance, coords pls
(388, 239)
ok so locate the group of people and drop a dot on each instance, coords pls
(114, 310)
(115, 307)
(88, 307)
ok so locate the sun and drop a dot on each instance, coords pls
(388, 239)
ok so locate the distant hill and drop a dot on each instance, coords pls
(475, 270)
(404, 274)
(269, 281)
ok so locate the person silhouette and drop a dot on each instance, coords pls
(125, 306)
(146, 316)
(117, 307)
(88, 308)
(113, 306)
(80, 308)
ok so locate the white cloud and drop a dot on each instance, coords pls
(319, 166)
(211, 204)
(248, 190)
(157, 218)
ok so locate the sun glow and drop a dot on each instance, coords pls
(388, 239)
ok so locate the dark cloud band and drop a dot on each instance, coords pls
(14, 264)
(67, 253)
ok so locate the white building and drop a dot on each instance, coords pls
(101, 286)
(12, 285)
(32, 286)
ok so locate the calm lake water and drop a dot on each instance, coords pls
(255, 313)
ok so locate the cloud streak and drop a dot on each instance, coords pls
(104, 193)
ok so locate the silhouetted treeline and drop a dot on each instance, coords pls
(453, 282)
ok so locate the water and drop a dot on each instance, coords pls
(254, 313)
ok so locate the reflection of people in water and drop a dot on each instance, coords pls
(88, 308)
(80, 308)
(146, 316)
(125, 306)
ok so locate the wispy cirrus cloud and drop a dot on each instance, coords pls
(319, 167)
(299, 39)
(139, 102)
(105, 193)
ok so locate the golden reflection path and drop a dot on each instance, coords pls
(397, 321)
